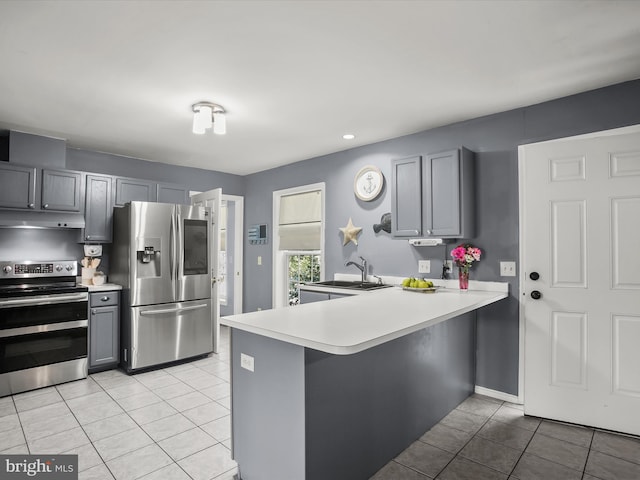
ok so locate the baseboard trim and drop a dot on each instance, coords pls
(498, 395)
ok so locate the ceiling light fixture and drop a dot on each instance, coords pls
(207, 115)
(348, 136)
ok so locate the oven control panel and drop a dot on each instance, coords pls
(38, 269)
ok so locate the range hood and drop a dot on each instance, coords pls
(29, 219)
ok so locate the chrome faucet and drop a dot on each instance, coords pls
(362, 267)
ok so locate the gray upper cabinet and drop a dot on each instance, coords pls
(168, 193)
(62, 190)
(24, 187)
(17, 186)
(134, 190)
(98, 209)
(448, 191)
(406, 195)
(434, 195)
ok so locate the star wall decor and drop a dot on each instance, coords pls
(350, 233)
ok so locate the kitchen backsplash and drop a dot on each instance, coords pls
(39, 244)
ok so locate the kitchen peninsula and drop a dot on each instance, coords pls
(336, 389)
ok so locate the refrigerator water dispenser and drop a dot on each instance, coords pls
(148, 256)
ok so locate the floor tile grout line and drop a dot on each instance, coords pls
(103, 389)
(553, 461)
(85, 432)
(105, 462)
(158, 444)
(525, 448)
(468, 441)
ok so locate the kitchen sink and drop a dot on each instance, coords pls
(355, 285)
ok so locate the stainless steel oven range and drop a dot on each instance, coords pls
(43, 325)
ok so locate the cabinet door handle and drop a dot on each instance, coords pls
(31, 205)
(88, 237)
(428, 232)
(104, 299)
(46, 205)
(94, 312)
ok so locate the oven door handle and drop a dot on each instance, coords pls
(173, 310)
(50, 327)
(44, 300)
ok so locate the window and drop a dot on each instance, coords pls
(298, 244)
(301, 268)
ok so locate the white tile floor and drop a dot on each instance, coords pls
(169, 424)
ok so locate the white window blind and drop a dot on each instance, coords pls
(300, 221)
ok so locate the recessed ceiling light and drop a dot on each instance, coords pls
(348, 136)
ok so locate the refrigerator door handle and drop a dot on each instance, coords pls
(173, 310)
(173, 259)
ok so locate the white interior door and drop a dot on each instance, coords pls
(212, 199)
(581, 235)
(235, 275)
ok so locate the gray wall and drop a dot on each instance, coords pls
(194, 178)
(495, 140)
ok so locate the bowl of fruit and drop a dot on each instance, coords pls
(418, 285)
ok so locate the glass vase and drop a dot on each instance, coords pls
(463, 279)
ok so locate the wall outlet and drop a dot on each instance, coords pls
(449, 264)
(507, 269)
(247, 362)
(424, 266)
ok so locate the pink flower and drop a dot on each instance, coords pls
(465, 255)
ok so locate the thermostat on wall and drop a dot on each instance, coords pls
(258, 234)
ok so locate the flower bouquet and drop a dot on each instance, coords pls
(464, 256)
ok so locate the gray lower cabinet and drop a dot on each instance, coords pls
(17, 186)
(98, 209)
(434, 195)
(134, 190)
(309, 296)
(104, 330)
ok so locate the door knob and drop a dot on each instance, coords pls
(536, 295)
(534, 275)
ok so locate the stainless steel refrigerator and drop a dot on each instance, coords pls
(160, 256)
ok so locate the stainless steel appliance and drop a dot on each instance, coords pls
(43, 325)
(160, 256)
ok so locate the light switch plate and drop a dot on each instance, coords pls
(424, 266)
(507, 269)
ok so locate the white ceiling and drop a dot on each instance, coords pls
(294, 76)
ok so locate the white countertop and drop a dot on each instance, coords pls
(105, 287)
(352, 324)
